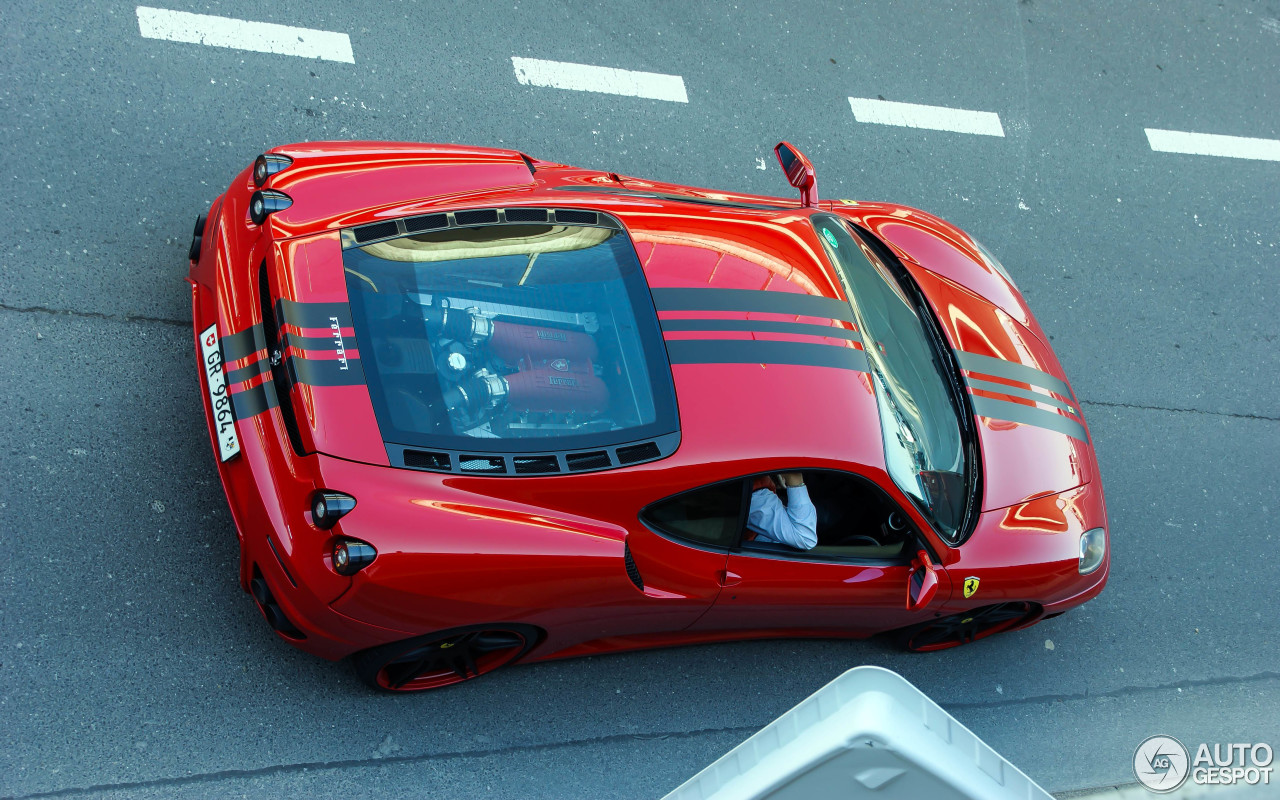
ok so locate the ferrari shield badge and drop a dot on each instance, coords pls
(970, 587)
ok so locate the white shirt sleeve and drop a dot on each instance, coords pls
(795, 524)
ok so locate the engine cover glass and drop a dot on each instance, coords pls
(510, 337)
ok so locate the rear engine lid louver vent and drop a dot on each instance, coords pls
(639, 452)
(532, 465)
(575, 217)
(483, 464)
(430, 222)
(381, 230)
(594, 460)
(526, 215)
(484, 216)
(425, 459)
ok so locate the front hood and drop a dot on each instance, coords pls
(1032, 434)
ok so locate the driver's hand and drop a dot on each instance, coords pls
(792, 479)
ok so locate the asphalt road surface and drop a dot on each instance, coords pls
(131, 665)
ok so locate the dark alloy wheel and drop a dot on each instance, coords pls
(444, 658)
(970, 626)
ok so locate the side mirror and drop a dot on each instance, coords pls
(922, 584)
(799, 172)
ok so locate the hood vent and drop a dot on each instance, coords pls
(533, 464)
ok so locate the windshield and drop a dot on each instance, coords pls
(923, 439)
(515, 337)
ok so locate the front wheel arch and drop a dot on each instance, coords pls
(968, 626)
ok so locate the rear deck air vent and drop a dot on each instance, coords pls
(425, 459)
(367, 233)
(484, 216)
(638, 452)
(633, 572)
(597, 459)
(492, 465)
(576, 217)
(531, 465)
(428, 223)
(526, 215)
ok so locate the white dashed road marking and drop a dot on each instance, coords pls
(938, 118)
(260, 37)
(586, 78)
(1213, 144)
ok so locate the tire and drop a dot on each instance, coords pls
(970, 626)
(444, 658)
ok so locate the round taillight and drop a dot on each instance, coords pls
(268, 164)
(350, 556)
(266, 202)
(329, 507)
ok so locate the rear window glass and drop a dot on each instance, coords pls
(510, 337)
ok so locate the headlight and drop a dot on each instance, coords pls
(991, 261)
(1093, 548)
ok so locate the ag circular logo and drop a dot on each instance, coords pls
(1161, 764)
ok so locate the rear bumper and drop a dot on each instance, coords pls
(260, 507)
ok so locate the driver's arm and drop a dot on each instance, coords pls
(795, 524)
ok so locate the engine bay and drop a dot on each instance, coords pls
(474, 336)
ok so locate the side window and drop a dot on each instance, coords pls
(708, 516)
(854, 520)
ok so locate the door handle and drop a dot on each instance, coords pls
(728, 578)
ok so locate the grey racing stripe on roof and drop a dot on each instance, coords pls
(759, 325)
(751, 351)
(746, 300)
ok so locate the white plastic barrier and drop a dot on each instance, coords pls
(868, 733)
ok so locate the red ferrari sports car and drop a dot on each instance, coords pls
(473, 408)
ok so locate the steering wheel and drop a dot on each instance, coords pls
(859, 539)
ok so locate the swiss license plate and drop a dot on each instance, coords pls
(224, 421)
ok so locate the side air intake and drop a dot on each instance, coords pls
(633, 572)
